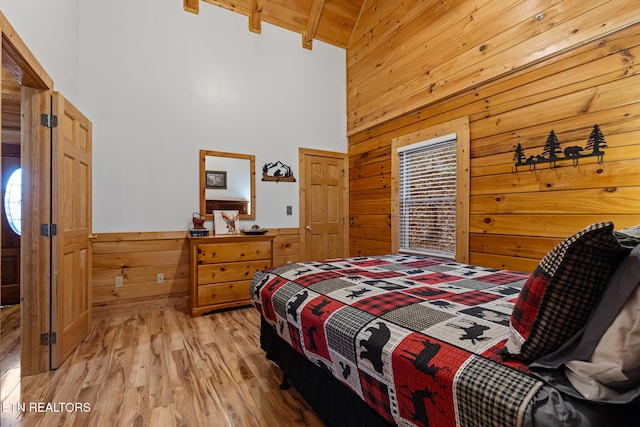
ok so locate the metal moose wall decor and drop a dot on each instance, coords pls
(552, 152)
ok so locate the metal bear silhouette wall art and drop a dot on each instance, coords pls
(552, 153)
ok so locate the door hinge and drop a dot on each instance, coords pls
(48, 230)
(49, 120)
(48, 338)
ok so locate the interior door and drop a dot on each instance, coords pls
(35, 249)
(324, 204)
(71, 212)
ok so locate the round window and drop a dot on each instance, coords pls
(13, 201)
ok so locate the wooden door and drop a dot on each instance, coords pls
(323, 204)
(35, 249)
(71, 212)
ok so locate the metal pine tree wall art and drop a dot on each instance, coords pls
(552, 153)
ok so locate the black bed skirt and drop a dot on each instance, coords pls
(334, 403)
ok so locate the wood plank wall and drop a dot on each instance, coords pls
(402, 56)
(139, 257)
(516, 218)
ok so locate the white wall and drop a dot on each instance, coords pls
(159, 84)
(50, 30)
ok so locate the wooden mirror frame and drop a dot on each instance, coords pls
(252, 178)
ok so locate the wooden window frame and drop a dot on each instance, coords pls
(461, 128)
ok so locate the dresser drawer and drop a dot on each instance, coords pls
(221, 268)
(240, 251)
(223, 293)
(230, 271)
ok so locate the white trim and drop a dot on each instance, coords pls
(438, 254)
(426, 143)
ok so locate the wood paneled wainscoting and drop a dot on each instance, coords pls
(139, 257)
(515, 218)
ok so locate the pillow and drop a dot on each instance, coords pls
(633, 231)
(588, 378)
(557, 298)
(614, 366)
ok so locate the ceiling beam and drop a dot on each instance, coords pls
(192, 6)
(312, 24)
(255, 18)
(356, 24)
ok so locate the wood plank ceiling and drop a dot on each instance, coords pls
(330, 21)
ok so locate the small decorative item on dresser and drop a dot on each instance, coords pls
(198, 229)
(226, 222)
(255, 229)
(198, 221)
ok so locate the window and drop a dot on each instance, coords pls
(427, 196)
(430, 191)
(13, 201)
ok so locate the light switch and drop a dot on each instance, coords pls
(289, 210)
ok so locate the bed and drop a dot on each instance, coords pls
(417, 340)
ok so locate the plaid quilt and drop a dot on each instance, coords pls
(417, 338)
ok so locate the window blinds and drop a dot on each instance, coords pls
(428, 197)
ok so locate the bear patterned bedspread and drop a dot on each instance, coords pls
(417, 338)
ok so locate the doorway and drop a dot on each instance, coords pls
(324, 204)
(55, 277)
(10, 193)
(10, 234)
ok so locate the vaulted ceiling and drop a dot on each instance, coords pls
(330, 21)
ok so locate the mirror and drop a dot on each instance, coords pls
(227, 182)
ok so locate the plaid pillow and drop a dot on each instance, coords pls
(556, 299)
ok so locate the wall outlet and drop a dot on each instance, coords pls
(117, 281)
(289, 210)
(160, 278)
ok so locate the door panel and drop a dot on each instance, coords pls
(35, 259)
(323, 200)
(71, 293)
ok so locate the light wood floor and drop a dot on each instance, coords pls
(155, 369)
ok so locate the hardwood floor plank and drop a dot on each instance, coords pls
(9, 349)
(160, 368)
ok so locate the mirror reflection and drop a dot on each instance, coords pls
(227, 182)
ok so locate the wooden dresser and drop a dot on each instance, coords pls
(221, 269)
